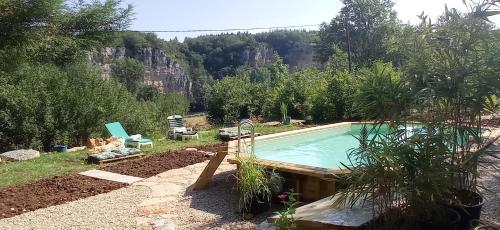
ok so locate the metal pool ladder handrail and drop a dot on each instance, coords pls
(252, 135)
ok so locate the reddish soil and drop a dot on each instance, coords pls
(18, 199)
(57, 190)
(150, 166)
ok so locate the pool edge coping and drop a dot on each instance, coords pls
(494, 134)
(324, 172)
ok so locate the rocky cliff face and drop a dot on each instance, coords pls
(168, 76)
(257, 57)
(296, 58)
(301, 57)
(161, 71)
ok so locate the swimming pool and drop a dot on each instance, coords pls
(322, 148)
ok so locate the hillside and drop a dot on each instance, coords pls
(189, 67)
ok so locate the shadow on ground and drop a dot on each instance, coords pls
(221, 199)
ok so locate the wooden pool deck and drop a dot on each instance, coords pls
(322, 215)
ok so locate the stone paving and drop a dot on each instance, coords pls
(162, 202)
(99, 174)
(171, 190)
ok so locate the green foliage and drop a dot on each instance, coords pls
(54, 31)
(71, 103)
(170, 104)
(336, 100)
(128, 72)
(450, 73)
(223, 54)
(395, 169)
(370, 24)
(324, 95)
(286, 221)
(235, 97)
(253, 183)
(381, 93)
(148, 92)
(269, 73)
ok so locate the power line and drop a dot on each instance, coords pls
(222, 30)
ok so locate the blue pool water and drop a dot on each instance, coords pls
(324, 148)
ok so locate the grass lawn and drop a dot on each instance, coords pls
(54, 164)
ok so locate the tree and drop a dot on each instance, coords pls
(361, 29)
(56, 31)
(235, 97)
(148, 92)
(128, 72)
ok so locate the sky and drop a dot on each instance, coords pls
(223, 14)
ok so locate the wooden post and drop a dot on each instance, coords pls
(209, 171)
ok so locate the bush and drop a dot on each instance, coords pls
(381, 93)
(296, 91)
(335, 100)
(43, 105)
(129, 72)
(235, 97)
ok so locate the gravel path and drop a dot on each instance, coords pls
(490, 179)
(173, 202)
(113, 210)
(165, 202)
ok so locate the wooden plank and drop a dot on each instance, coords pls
(103, 161)
(311, 188)
(297, 169)
(322, 215)
(242, 136)
(206, 176)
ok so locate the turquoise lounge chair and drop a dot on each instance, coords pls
(116, 129)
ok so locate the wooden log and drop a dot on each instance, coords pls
(103, 161)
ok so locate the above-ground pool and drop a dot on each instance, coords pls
(323, 148)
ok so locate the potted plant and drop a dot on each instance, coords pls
(61, 139)
(284, 111)
(395, 171)
(253, 185)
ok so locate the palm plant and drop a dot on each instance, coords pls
(392, 170)
(419, 173)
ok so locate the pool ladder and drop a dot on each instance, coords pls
(245, 122)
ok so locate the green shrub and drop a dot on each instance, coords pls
(381, 93)
(44, 104)
(129, 72)
(335, 100)
(296, 91)
(235, 97)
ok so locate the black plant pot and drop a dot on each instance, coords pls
(450, 222)
(259, 206)
(470, 209)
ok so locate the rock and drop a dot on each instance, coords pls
(162, 224)
(160, 71)
(76, 149)
(20, 155)
(165, 189)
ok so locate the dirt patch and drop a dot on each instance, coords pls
(16, 200)
(150, 166)
(199, 122)
(57, 190)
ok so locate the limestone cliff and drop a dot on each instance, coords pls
(297, 58)
(161, 70)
